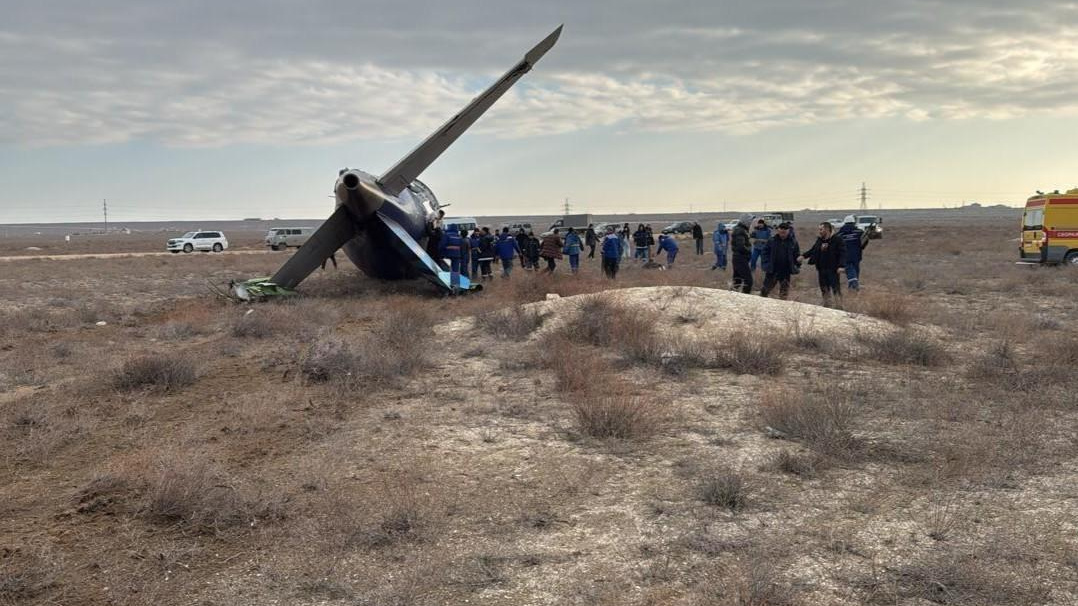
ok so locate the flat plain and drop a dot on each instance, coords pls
(655, 440)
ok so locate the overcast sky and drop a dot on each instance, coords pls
(207, 109)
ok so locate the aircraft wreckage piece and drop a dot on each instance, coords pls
(255, 289)
(383, 223)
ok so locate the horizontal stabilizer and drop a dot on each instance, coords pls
(394, 180)
(410, 250)
(326, 240)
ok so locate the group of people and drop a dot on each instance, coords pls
(776, 251)
(780, 257)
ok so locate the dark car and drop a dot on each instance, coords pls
(681, 227)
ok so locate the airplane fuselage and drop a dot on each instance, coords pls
(372, 249)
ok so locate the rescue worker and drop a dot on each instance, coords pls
(506, 248)
(486, 253)
(741, 250)
(573, 247)
(550, 250)
(590, 239)
(720, 239)
(760, 235)
(782, 252)
(698, 237)
(612, 251)
(669, 244)
(828, 254)
(640, 241)
(854, 239)
(451, 247)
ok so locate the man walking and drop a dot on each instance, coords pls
(522, 239)
(612, 245)
(590, 239)
(782, 252)
(486, 254)
(640, 241)
(506, 248)
(720, 239)
(828, 254)
(741, 249)
(550, 250)
(698, 237)
(854, 239)
(473, 245)
(452, 247)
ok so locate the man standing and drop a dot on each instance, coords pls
(486, 254)
(828, 254)
(550, 250)
(434, 239)
(782, 253)
(854, 239)
(741, 249)
(698, 237)
(573, 248)
(640, 242)
(612, 245)
(451, 247)
(522, 240)
(506, 248)
(473, 245)
(720, 239)
(530, 251)
(590, 239)
(760, 236)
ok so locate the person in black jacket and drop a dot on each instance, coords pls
(698, 237)
(522, 241)
(828, 254)
(741, 250)
(590, 240)
(782, 252)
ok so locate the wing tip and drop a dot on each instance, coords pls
(545, 45)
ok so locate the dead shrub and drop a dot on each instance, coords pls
(254, 325)
(824, 423)
(725, 489)
(957, 576)
(601, 322)
(795, 464)
(326, 360)
(166, 373)
(905, 346)
(616, 416)
(104, 492)
(513, 323)
(204, 499)
(892, 307)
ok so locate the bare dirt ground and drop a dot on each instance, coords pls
(654, 440)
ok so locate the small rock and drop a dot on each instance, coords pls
(101, 323)
(775, 434)
(550, 296)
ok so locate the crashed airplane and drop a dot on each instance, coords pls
(382, 223)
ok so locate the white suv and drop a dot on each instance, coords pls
(198, 240)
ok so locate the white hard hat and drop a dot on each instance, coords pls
(849, 219)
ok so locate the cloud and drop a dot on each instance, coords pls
(202, 74)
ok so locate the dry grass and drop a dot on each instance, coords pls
(823, 422)
(724, 489)
(617, 416)
(155, 371)
(905, 346)
(514, 323)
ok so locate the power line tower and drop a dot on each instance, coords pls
(105, 211)
(565, 208)
(864, 196)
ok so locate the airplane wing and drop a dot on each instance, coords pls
(326, 240)
(394, 180)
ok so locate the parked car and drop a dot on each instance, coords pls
(681, 227)
(280, 238)
(871, 225)
(205, 241)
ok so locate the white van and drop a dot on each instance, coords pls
(465, 223)
(280, 238)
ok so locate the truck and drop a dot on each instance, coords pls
(1050, 229)
(577, 222)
